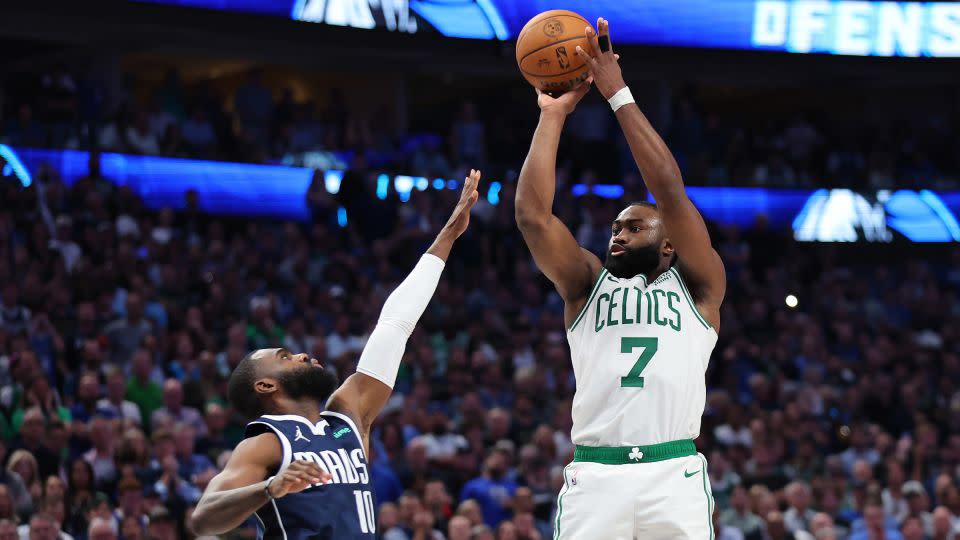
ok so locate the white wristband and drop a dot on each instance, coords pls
(266, 488)
(621, 98)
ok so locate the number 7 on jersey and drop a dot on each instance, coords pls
(627, 345)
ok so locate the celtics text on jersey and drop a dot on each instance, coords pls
(640, 352)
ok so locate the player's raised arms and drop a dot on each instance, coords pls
(571, 268)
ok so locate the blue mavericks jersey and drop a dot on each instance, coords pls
(340, 510)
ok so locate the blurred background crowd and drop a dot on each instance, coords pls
(119, 327)
(837, 417)
(813, 138)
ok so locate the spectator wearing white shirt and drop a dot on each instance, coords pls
(102, 457)
(442, 445)
(821, 527)
(42, 526)
(341, 341)
(102, 529)
(918, 503)
(859, 449)
(894, 501)
(798, 515)
(115, 402)
(141, 139)
(64, 243)
(735, 430)
(174, 411)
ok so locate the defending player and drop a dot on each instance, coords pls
(302, 468)
(641, 327)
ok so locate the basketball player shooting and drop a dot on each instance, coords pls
(302, 468)
(641, 327)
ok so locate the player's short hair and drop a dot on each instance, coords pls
(648, 204)
(240, 388)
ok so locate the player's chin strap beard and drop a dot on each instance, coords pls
(313, 382)
(633, 261)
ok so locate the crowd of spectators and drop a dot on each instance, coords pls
(119, 326)
(715, 144)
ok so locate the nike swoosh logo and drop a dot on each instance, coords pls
(689, 474)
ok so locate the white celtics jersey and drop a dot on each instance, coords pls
(640, 352)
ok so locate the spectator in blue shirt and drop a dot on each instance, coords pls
(88, 392)
(875, 525)
(191, 463)
(492, 490)
(386, 484)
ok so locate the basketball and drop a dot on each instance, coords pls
(547, 51)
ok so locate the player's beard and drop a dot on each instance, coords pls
(309, 382)
(633, 261)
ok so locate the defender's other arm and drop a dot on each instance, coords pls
(240, 489)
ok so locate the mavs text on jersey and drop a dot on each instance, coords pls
(340, 509)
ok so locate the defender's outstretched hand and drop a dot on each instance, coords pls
(604, 65)
(460, 218)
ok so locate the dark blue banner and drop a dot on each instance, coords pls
(835, 215)
(847, 27)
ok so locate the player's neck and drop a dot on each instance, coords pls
(657, 272)
(307, 408)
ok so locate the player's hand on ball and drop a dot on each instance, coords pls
(296, 477)
(564, 103)
(460, 218)
(604, 65)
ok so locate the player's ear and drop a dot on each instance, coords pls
(266, 385)
(666, 248)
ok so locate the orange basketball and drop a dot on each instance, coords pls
(547, 51)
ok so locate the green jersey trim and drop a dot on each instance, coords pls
(593, 292)
(686, 293)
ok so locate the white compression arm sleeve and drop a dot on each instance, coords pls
(381, 356)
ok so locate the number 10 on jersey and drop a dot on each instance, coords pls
(627, 345)
(365, 511)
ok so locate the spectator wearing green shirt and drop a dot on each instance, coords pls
(141, 389)
(739, 516)
(263, 332)
(39, 394)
